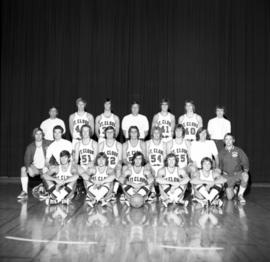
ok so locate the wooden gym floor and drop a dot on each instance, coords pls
(32, 231)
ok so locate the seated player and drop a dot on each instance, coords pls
(34, 160)
(172, 182)
(137, 178)
(132, 145)
(234, 165)
(99, 181)
(208, 184)
(113, 150)
(60, 181)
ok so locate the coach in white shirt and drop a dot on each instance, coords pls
(218, 127)
(48, 124)
(135, 119)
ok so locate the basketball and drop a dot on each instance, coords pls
(136, 201)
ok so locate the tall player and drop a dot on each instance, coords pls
(172, 182)
(191, 121)
(180, 147)
(137, 178)
(133, 145)
(86, 149)
(113, 150)
(165, 120)
(156, 153)
(99, 181)
(78, 119)
(107, 118)
(60, 181)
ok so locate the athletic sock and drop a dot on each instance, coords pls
(241, 191)
(24, 181)
(213, 194)
(204, 192)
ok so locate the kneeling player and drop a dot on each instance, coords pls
(137, 178)
(61, 180)
(208, 184)
(99, 181)
(172, 181)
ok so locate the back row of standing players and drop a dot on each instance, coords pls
(187, 142)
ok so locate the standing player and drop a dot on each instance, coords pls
(34, 160)
(137, 178)
(48, 124)
(61, 180)
(113, 151)
(191, 121)
(218, 127)
(172, 182)
(107, 118)
(165, 120)
(135, 119)
(78, 119)
(99, 181)
(208, 184)
(57, 146)
(156, 153)
(86, 149)
(234, 165)
(133, 145)
(180, 147)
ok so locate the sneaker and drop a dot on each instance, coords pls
(49, 201)
(66, 201)
(104, 203)
(127, 203)
(164, 203)
(122, 198)
(183, 202)
(112, 198)
(241, 199)
(90, 203)
(152, 197)
(23, 194)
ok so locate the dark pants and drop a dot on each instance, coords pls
(219, 144)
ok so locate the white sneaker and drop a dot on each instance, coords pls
(241, 199)
(22, 195)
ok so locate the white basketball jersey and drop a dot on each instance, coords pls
(63, 175)
(155, 154)
(131, 150)
(78, 122)
(171, 177)
(86, 153)
(207, 178)
(137, 177)
(181, 152)
(100, 176)
(165, 123)
(112, 154)
(105, 122)
(191, 126)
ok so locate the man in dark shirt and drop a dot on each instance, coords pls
(234, 165)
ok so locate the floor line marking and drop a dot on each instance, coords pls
(191, 248)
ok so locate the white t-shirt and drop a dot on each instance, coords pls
(56, 147)
(139, 120)
(48, 125)
(218, 128)
(199, 150)
(39, 158)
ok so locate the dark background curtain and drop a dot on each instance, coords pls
(213, 52)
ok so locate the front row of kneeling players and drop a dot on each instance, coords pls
(102, 172)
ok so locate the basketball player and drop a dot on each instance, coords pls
(135, 119)
(34, 160)
(156, 153)
(208, 184)
(165, 120)
(137, 178)
(113, 151)
(218, 127)
(85, 149)
(99, 181)
(191, 121)
(78, 119)
(203, 147)
(172, 182)
(107, 118)
(56, 147)
(180, 147)
(48, 124)
(133, 145)
(234, 165)
(60, 181)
